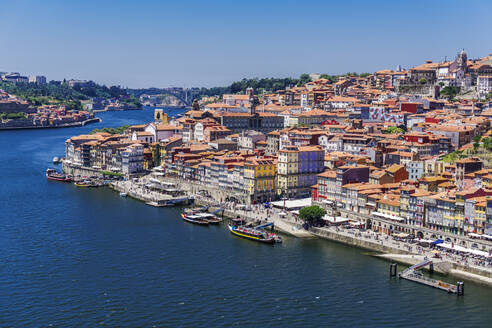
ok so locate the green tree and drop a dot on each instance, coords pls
(304, 78)
(449, 92)
(118, 130)
(487, 143)
(477, 138)
(423, 80)
(311, 214)
(475, 146)
(393, 130)
(331, 78)
(14, 116)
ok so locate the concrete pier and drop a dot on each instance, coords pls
(414, 274)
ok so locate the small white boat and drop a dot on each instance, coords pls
(123, 194)
(56, 160)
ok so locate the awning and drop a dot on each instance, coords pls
(428, 241)
(464, 249)
(387, 216)
(437, 241)
(356, 223)
(292, 204)
(337, 219)
(401, 235)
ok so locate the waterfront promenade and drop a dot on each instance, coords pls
(383, 245)
(286, 225)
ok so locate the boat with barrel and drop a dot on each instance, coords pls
(52, 174)
(257, 233)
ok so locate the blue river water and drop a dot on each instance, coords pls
(87, 258)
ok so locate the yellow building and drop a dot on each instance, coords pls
(287, 169)
(389, 205)
(480, 216)
(160, 116)
(259, 176)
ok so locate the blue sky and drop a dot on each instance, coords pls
(206, 43)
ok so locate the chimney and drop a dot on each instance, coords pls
(428, 61)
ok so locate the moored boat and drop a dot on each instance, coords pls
(203, 214)
(252, 234)
(211, 218)
(123, 194)
(52, 174)
(194, 219)
(56, 160)
(83, 184)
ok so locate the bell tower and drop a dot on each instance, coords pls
(461, 60)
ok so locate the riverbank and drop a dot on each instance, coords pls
(405, 253)
(439, 266)
(386, 246)
(286, 227)
(66, 125)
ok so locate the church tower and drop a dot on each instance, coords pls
(461, 60)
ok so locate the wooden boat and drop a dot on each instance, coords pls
(211, 218)
(203, 214)
(83, 184)
(194, 219)
(52, 174)
(252, 234)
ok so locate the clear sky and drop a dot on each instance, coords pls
(206, 43)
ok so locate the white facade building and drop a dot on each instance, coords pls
(39, 79)
(484, 85)
(132, 159)
(415, 170)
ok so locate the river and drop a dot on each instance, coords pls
(85, 258)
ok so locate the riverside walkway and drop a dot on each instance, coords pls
(286, 224)
(388, 247)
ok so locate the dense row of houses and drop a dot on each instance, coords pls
(433, 201)
(357, 144)
(29, 116)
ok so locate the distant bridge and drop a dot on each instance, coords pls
(183, 94)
